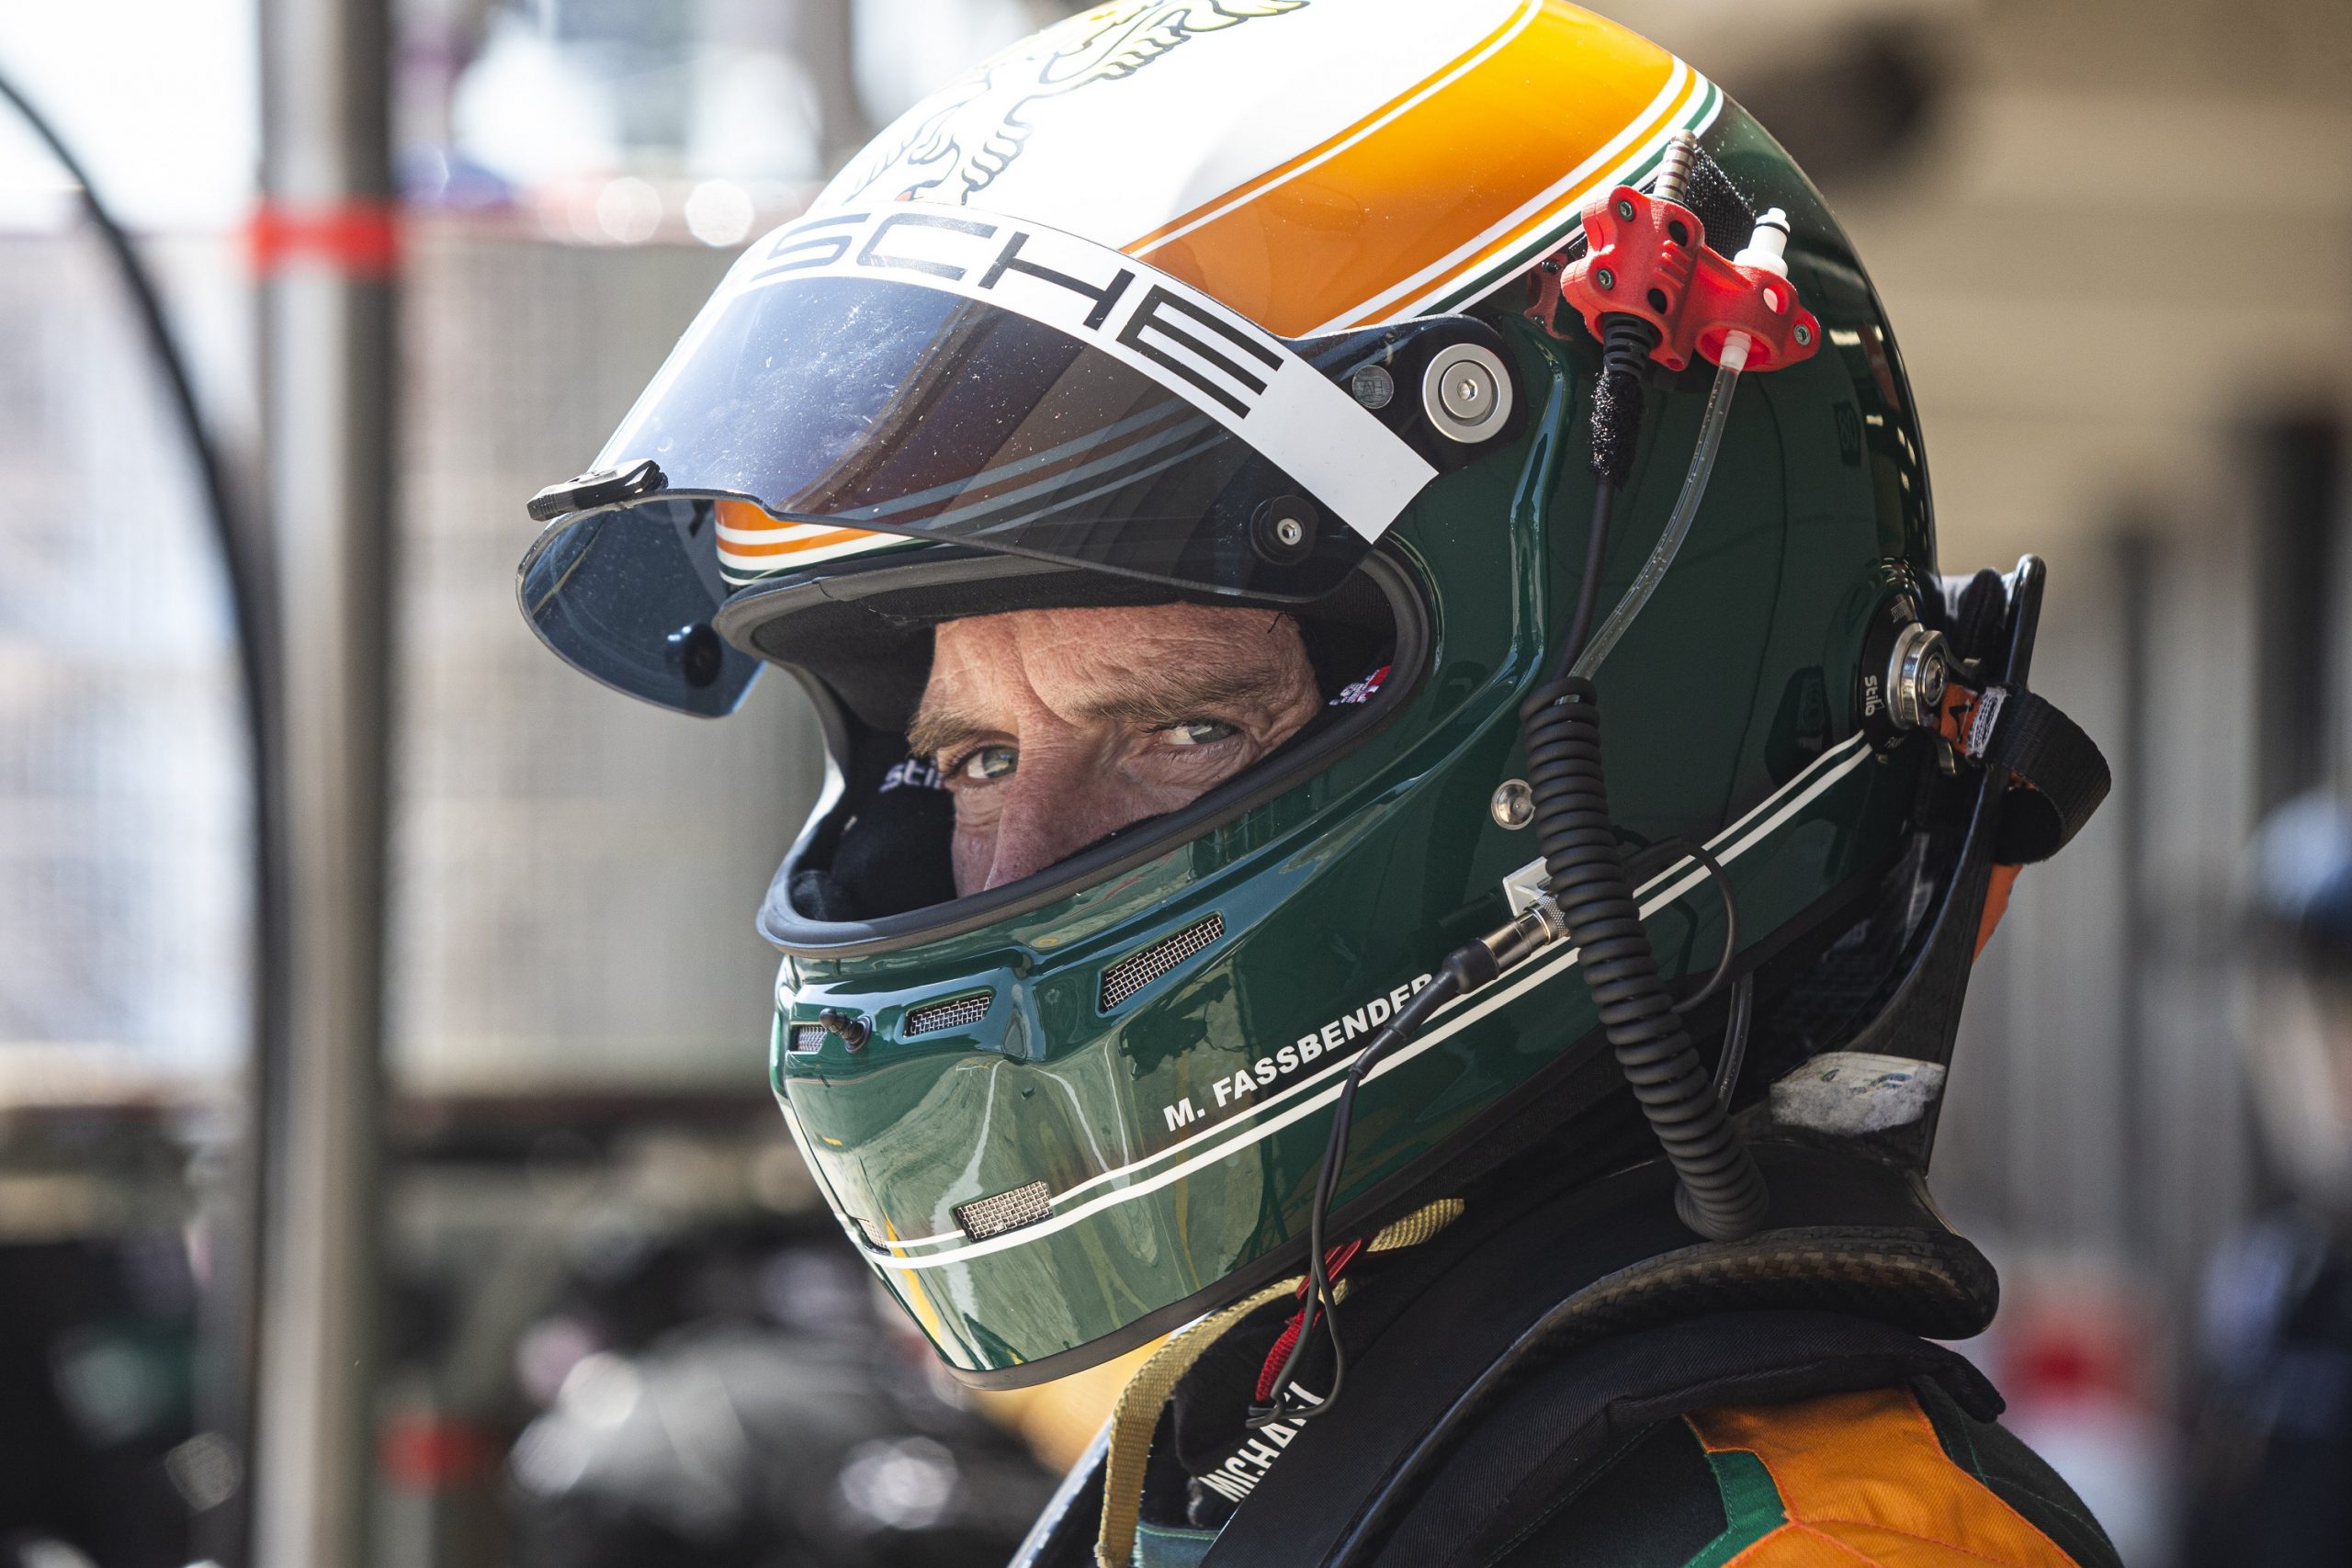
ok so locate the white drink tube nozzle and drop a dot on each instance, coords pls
(1767, 250)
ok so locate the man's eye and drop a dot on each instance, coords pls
(1199, 732)
(990, 762)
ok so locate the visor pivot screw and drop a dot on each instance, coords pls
(1466, 392)
(1624, 212)
(1373, 384)
(700, 656)
(1803, 335)
(854, 1030)
(1604, 280)
(1283, 529)
(1514, 804)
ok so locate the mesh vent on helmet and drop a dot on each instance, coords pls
(809, 1037)
(1136, 971)
(1011, 1211)
(955, 1013)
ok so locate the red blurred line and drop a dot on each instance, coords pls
(432, 1453)
(361, 238)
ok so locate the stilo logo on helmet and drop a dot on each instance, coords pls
(1648, 287)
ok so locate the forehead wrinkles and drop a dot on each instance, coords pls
(997, 672)
(975, 684)
(1139, 661)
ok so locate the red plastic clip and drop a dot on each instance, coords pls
(1649, 258)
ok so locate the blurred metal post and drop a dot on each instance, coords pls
(2134, 559)
(324, 241)
(827, 46)
(2292, 464)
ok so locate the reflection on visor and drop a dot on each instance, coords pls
(866, 379)
(846, 406)
(753, 545)
(951, 375)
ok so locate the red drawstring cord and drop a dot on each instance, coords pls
(1337, 1260)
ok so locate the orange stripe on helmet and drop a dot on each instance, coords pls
(1434, 169)
(1548, 218)
(796, 547)
(785, 538)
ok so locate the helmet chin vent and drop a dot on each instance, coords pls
(957, 1012)
(1139, 969)
(1006, 1211)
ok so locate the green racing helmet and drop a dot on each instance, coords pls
(1260, 302)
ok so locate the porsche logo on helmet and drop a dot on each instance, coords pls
(982, 124)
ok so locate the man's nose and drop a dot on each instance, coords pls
(1060, 801)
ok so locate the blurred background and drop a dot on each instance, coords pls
(605, 1318)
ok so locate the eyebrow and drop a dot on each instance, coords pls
(940, 727)
(1187, 694)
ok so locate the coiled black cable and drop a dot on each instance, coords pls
(1721, 1195)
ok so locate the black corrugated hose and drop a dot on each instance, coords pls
(1722, 1195)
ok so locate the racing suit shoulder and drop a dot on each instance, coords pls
(1899, 1477)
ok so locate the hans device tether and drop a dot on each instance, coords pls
(1649, 289)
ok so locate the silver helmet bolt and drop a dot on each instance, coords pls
(1916, 674)
(1374, 388)
(1466, 393)
(1514, 804)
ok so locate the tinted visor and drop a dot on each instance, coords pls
(627, 594)
(863, 405)
(861, 379)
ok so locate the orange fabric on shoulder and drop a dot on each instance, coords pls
(1996, 904)
(1864, 1481)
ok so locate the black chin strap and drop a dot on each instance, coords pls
(2057, 776)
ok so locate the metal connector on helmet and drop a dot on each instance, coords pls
(1917, 673)
(1526, 935)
